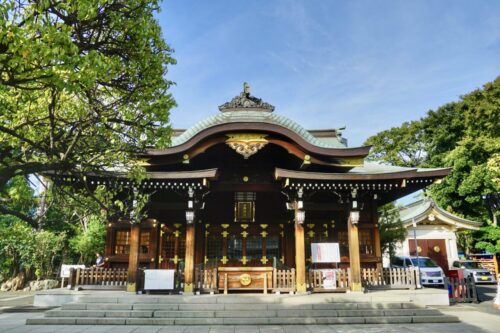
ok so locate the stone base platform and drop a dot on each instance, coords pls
(421, 297)
(120, 308)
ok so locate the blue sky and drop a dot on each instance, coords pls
(367, 65)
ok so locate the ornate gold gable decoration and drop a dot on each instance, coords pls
(246, 144)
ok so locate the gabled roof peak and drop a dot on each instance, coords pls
(427, 208)
(246, 102)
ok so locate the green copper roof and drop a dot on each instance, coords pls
(421, 209)
(377, 167)
(255, 116)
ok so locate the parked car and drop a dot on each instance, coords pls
(473, 269)
(430, 273)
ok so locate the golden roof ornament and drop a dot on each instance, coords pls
(246, 144)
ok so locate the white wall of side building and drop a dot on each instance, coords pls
(428, 232)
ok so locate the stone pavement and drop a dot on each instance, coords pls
(16, 298)
(473, 322)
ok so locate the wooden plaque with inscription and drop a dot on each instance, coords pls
(245, 278)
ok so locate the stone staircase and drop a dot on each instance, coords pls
(234, 310)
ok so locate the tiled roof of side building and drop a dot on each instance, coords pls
(420, 209)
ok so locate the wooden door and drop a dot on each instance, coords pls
(432, 248)
(172, 246)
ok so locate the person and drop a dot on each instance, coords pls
(99, 261)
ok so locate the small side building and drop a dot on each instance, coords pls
(435, 231)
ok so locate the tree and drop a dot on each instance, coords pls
(465, 136)
(83, 88)
(488, 239)
(89, 241)
(401, 146)
(23, 248)
(465, 240)
(19, 196)
(468, 140)
(391, 229)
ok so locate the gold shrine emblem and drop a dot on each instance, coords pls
(246, 144)
(245, 279)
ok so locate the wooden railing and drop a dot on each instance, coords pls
(461, 290)
(283, 280)
(101, 278)
(316, 280)
(206, 279)
(489, 264)
(390, 278)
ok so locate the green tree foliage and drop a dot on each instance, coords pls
(463, 135)
(488, 239)
(89, 241)
(465, 240)
(24, 248)
(19, 196)
(471, 151)
(391, 228)
(82, 87)
(401, 146)
(46, 253)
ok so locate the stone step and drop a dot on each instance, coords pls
(236, 306)
(179, 299)
(242, 320)
(240, 313)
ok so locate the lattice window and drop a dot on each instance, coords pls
(168, 247)
(365, 241)
(214, 247)
(234, 247)
(254, 247)
(145, 237)
(122, 242)
(272, 247)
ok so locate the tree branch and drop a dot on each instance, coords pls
(26, 218)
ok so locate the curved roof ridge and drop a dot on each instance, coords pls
(420, 209)
(256, 117)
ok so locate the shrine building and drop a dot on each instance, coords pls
(247, 190)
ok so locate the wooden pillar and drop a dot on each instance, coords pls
(376, 234)
(199, 244)
(108, 248)
(376, 243)
(133, 258)
(289, 244)
(300, 258)
(189, 260)
(354, 258)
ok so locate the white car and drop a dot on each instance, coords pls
(430, 273)
(473, 269)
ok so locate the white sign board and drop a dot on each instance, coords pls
(325, 252)
(329, 278)
(66, 268)
(159, 279)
